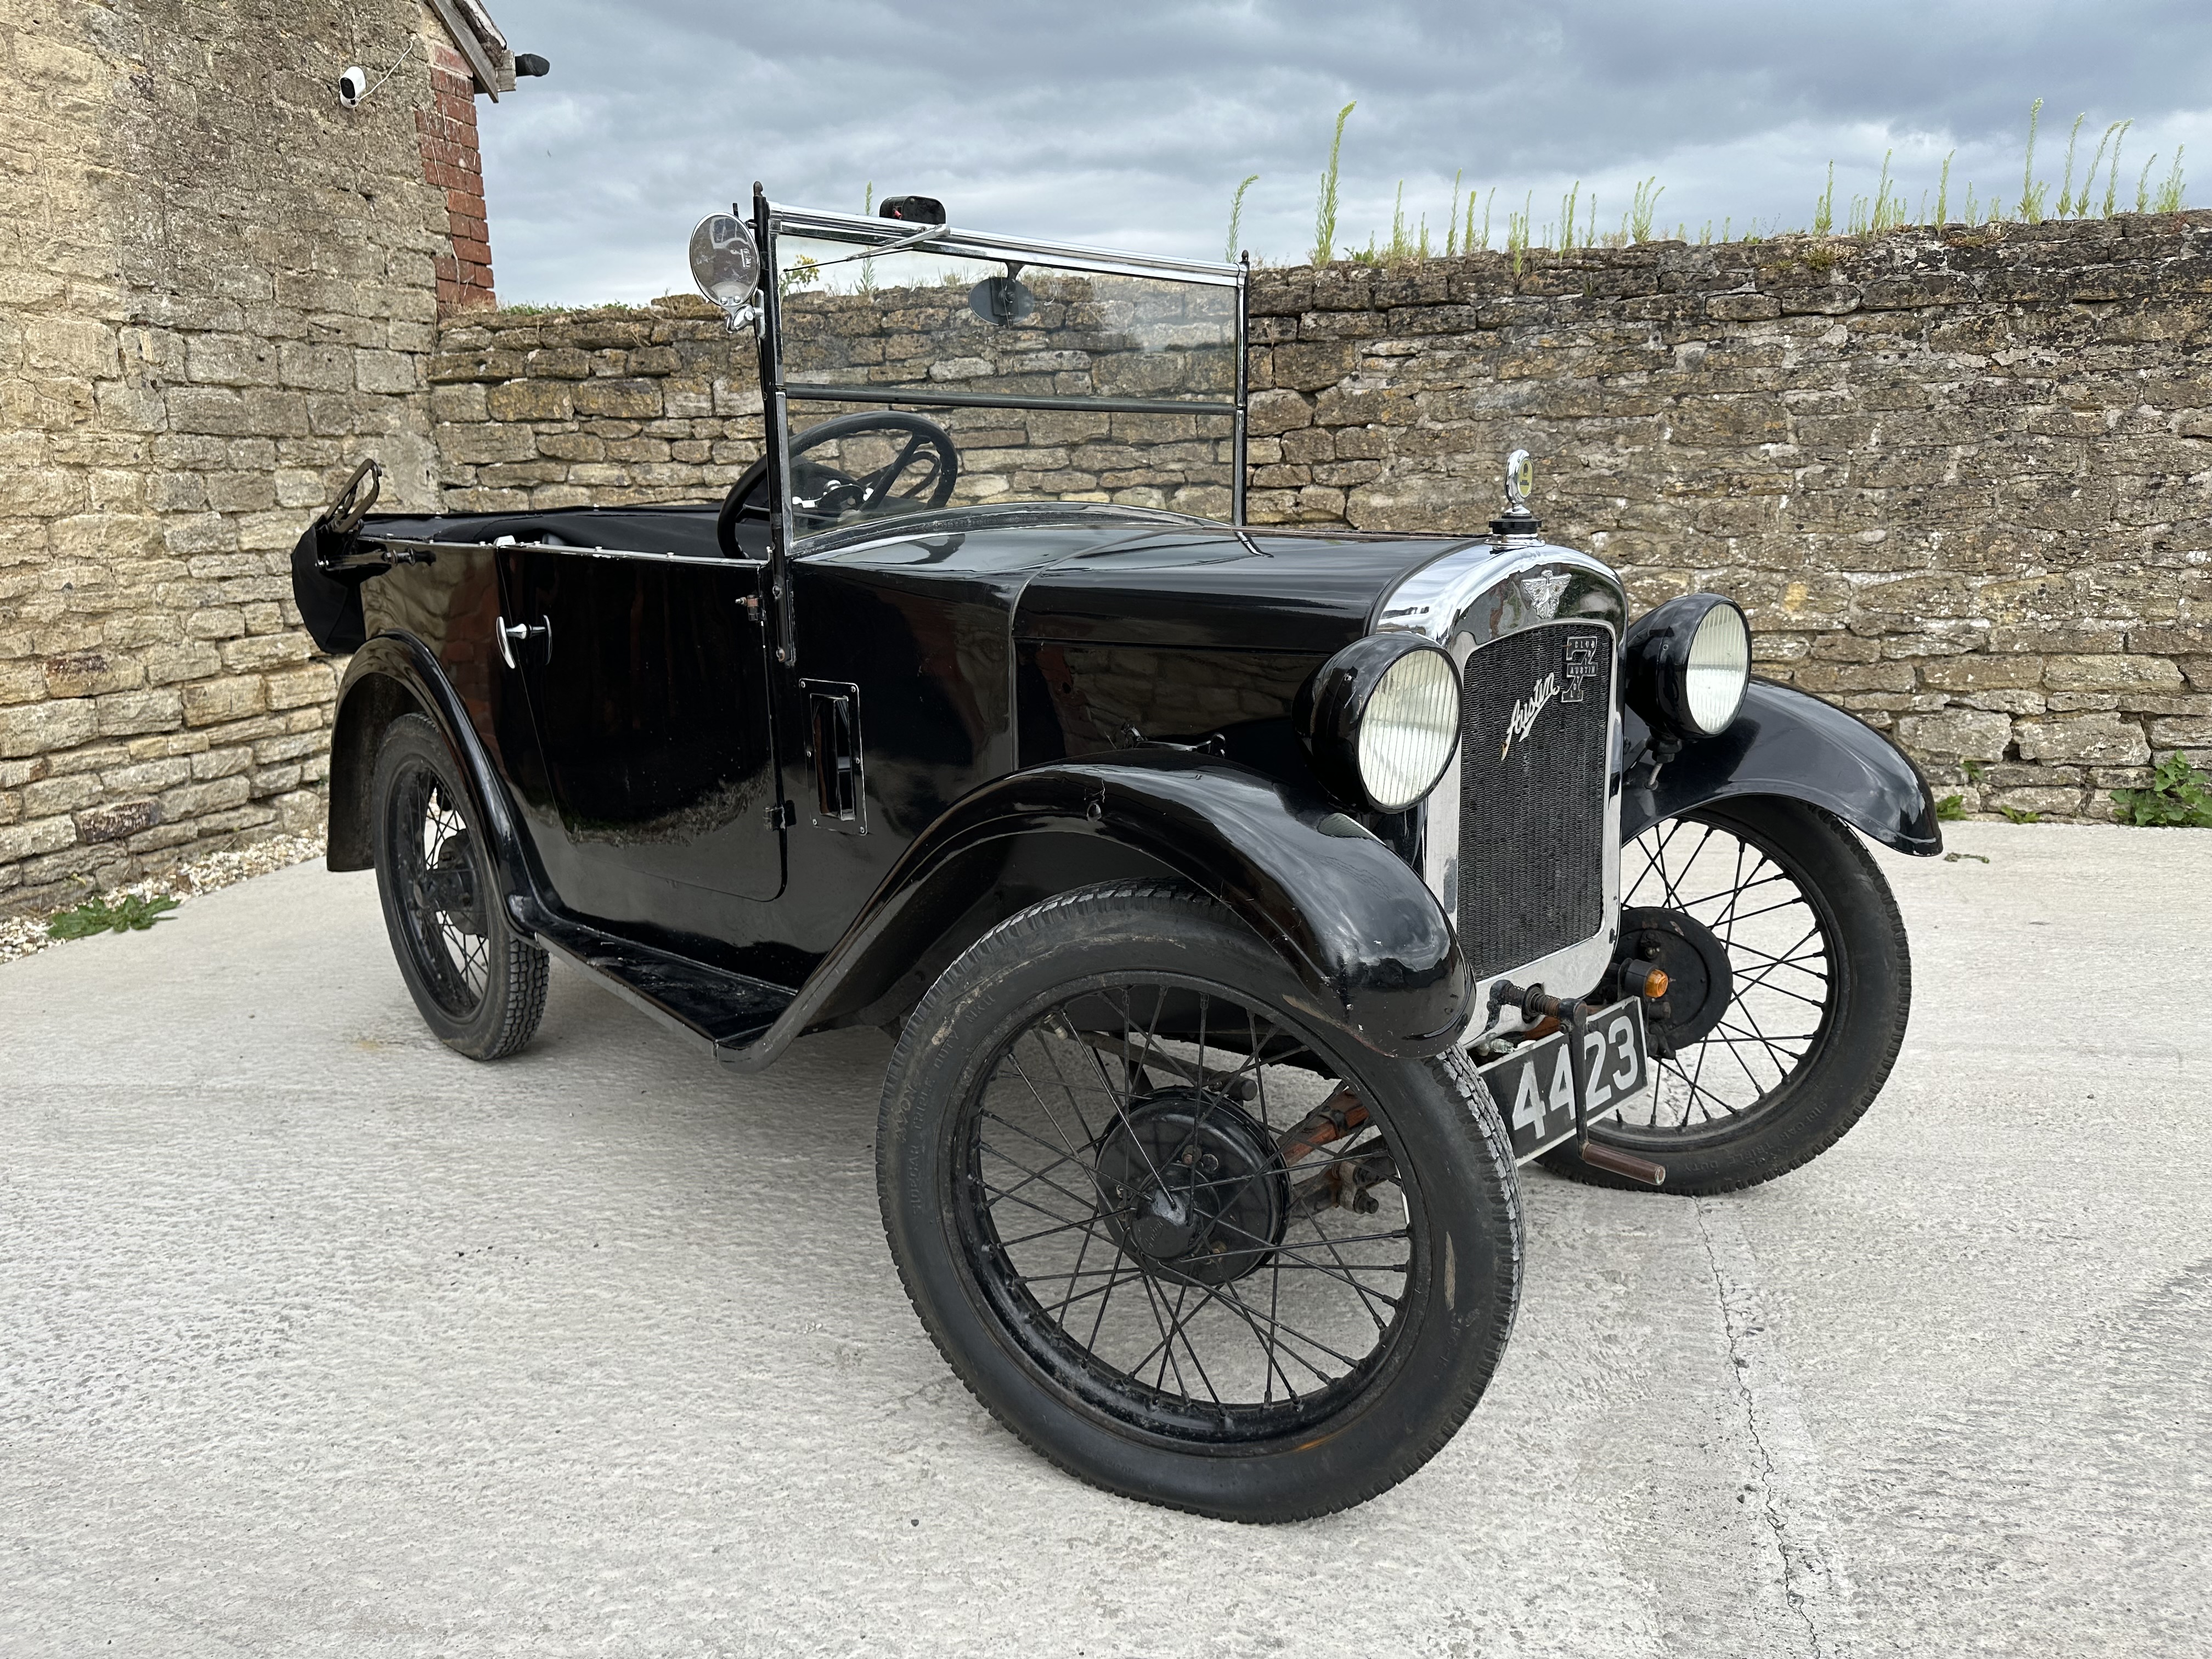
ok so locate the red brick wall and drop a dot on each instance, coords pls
(446, 134)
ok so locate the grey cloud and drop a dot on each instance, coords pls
(1132, 124)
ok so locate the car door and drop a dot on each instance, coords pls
(647, 677)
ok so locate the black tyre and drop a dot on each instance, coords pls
(1178, 1238)
(480, 987)
(1791, 987)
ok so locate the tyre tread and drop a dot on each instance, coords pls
(1050, 919)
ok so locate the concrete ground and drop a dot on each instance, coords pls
(316, 1339)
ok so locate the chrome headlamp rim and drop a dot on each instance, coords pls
(1687, 664)
(1333, 712)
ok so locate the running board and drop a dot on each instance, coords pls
(727, 1011)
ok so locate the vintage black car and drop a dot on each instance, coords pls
(1245, 902)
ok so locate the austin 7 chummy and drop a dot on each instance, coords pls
(1245, 902)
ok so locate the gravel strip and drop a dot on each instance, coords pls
(20, 936)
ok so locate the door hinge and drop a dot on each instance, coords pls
(782, 815)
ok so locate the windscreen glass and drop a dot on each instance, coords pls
(920, 380)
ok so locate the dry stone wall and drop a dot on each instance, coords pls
(1961, 480)
(217, 289)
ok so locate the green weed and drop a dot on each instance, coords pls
(2113, 173)
(1951, 809)
(1647, 203)
(2169, 193)
(96, 916)
(2066, 187)
(1888, 208)
(2020, 815)
(2030, 193)
(1325, 210)
(2178, 797)
(1237, 219)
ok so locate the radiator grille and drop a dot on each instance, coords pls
(1533, 775)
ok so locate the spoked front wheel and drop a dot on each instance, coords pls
(1175, 1238)
(1789, 987)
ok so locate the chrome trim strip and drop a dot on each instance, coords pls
(412, 552)
(979, 244)
(924, 396)
(1463, 601)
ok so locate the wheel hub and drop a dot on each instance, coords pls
(1192, 1186)
(1700, 984)
(448, 888)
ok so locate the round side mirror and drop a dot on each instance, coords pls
(724, 261)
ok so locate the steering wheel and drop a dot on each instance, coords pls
(822, 494)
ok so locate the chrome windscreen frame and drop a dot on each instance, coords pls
(1464, 600)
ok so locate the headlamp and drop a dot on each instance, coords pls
(1687, 663)
(1380, 720)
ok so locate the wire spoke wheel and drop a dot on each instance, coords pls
(439, 869)
(1789, 986)
(1773, 940)
(1194, 1224)
(1182, 1237)
(478, 984)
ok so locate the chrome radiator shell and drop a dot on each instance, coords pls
(1472, 597)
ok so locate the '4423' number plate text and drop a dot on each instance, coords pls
(1534, 1086)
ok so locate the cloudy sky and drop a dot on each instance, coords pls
(1130, 123)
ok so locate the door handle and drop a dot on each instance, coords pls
(516, 637)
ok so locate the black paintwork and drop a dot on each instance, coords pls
(1786, 741)
(1047, 695)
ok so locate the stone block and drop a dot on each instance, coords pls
(118, 821)
(302, 688)
(126, 713)
(2102, 739)
(2182, 732)
(264, 651)
(464, 402)
(87, 673)
(1272, 413)
(235, 360)
(34, 836)
(224, 762)
(166, 665)
(40, 728)
(314, 367)
(22, 682)
(1960, 734)
(78, 347)
(54, 796)
(1980, 670)
(634, 400)
(301, 813)
(212, 700)
(2112, 673)
(485, 444)
(385, 372)
(193, 800)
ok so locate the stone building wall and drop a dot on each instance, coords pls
(217, 289)
(1961, 481)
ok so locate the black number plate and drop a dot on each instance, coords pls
(1535, 1092)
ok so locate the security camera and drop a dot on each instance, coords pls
(353, 86)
